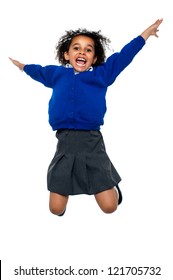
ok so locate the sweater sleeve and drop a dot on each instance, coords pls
(117, 62)
(44, 75)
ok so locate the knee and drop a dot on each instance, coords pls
(108, 209)
(56, 210)
(57, 203)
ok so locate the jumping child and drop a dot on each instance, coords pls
(76, 112)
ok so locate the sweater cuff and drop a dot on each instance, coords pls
(141, 40)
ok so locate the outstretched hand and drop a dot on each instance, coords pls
(154, 27)
(17, 63)
(152, 30)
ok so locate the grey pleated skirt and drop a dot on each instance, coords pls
(80, 164)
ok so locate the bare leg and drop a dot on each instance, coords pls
(107, 200)
(57, 203)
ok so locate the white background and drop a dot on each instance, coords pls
(137, 132)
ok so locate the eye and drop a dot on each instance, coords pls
(76, 48)
(89, 50)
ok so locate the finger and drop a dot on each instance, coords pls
(160, 21)
(12, 60)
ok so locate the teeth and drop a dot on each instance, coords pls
(82, 59)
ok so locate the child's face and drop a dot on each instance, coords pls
(81, 54)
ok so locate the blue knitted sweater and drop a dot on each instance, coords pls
(78, 101)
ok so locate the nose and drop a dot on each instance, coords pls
(82, 52)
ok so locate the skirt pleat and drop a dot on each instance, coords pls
(80, 164)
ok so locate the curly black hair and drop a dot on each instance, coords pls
(100, 42)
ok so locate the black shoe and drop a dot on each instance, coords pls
(120, 197)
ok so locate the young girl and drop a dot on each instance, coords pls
(76, 111)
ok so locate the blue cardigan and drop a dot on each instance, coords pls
(78, 101)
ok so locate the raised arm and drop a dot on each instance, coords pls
(151, 30)
(17, 63)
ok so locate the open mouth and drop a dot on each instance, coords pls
(81, 61)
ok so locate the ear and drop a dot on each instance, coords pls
(94, 60)
(66, 56)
